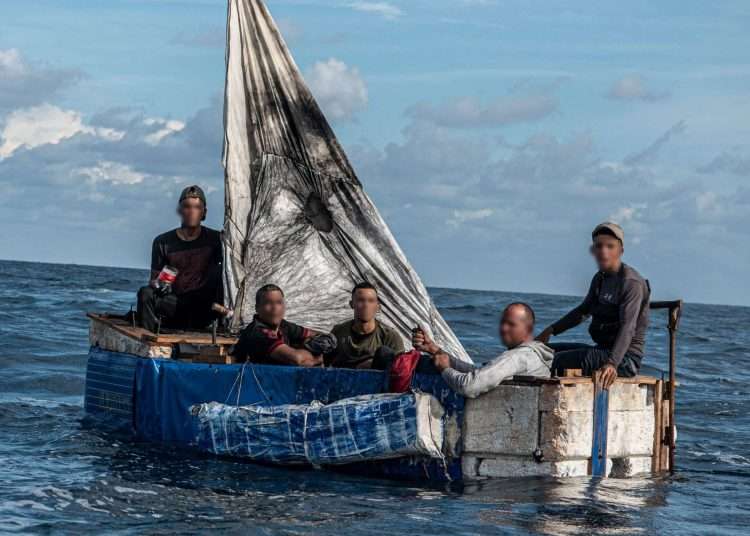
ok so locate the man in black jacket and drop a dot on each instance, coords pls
(618, 303)
(194, 253)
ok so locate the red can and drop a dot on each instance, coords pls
(166, 277)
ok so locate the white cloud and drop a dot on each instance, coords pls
(462, 216)
(11, 64)
(45, 124)
(707, 203)
(633, 87)
(92, 174)
(165, 128)
(384, 9)
(112, 172)
(626, 214)
(546, 183)
(23, 84)
(339, 89)
(466, 112)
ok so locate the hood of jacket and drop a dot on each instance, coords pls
(545, 353)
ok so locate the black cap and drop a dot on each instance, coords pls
(193, 191)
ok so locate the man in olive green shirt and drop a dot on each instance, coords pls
(364, 339)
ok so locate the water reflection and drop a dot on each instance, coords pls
(571, 506)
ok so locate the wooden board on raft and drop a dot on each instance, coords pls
(116, 334)
(139, 333)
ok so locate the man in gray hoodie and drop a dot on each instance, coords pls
(524, 356)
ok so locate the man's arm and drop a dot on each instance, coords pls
(630, 308)
(286, 355)
(571, 319)
(422, 342)
(473, 383)
(157, 259)
(299, 335)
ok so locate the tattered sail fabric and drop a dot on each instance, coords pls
(296, 214)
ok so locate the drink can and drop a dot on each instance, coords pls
(166, 277)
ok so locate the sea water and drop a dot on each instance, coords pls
(57, 476)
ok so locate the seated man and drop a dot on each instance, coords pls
(269, 339)
(524, 356)
(363, 338)
(618, 302)
(194, 252)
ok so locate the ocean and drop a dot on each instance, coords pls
(58, 476)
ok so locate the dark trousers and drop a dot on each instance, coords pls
(590, 358)
(191, 310)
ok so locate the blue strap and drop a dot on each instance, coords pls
(599, 443)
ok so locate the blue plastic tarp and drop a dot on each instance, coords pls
(164, 390)
(368, 427)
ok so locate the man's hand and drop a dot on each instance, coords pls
(286, 355)
(422, 341)
(441, 360)
(545, 335)
(606, 375)
(310, 360)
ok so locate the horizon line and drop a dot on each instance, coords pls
(428, 286)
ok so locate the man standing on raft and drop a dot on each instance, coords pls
(618, 303)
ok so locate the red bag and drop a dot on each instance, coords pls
(401, 371)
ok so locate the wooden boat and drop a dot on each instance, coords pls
(289, 187)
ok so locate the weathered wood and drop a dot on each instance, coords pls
(665, 427)
(139, 333)
(108, 338)
(214, 354)
(658, 428)
(534, 380)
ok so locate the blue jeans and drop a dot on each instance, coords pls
(575, 355)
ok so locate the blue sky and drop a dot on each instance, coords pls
(492, 135)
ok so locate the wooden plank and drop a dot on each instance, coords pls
(664, 455)
(139, 333)
(534, 380)
(658, 428)
(210, 353)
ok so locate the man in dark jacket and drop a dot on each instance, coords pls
(270, 339)
(192, 252)
(618, 303)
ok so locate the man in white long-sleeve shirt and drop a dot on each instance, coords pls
(524, 356)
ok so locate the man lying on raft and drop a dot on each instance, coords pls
(185, 271)
(269, 339)
(364, 342)
(524, 356)
(618, 303)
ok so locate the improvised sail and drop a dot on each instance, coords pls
(295, 213)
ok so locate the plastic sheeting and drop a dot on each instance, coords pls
(156, 396)
(372, 427)
(295, 213)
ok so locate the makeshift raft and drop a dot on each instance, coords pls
(296, 215)
(150, 387)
